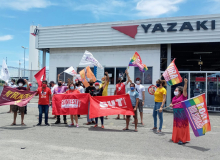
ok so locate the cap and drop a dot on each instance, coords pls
(96, 83)
(76, 80)
(91, 81)
(138, 78)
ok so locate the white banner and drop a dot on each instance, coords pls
(70, 71)
(88, 59)
(4, 72)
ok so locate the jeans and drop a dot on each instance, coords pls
(89, 120)
(155, 112)
(45, 108)
(102, 120)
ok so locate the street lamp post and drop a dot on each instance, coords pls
(24, 58)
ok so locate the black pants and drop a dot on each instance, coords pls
(25, 110)
(58, 118)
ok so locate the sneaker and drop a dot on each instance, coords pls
(77, 126)
(72, 124)
(38, 124)
(57, 122)
(93, 122)
(102, 126)
(47, 124)
(65, 122)
(96, 126)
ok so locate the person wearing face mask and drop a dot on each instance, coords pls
(15, 108)
(134, 101)
(181, 131)
(52, 87)
(12, 85)
(60, 90)
(79, 87)
(72, 90)
(98, 92)
(160, 99)
(44, 100)
(120, 88)
(141, 91)
(90, 90)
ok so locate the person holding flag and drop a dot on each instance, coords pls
(120, 87)
(181, 131)
(160, 99)
(105, 91)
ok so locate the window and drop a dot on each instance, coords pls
(59, 71)
(111, 73)
(146, 77)
(120, 72)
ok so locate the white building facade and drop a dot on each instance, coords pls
(192, 40)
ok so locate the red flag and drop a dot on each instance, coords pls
(13, 96)
(40, 76)
(70, 104)
(110, 105)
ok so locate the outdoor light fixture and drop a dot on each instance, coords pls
(202, 52)
(200, 63)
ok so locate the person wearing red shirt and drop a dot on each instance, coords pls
(120, 88)
(72, 90)
(44, 100)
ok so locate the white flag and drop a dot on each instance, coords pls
(88, 59)
(70, 71)
(4, 72)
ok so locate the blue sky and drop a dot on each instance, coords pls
(16, 16)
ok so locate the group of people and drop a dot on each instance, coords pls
(181, 132)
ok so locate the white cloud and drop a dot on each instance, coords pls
(24, 5)
(6, 37)
(153, 8)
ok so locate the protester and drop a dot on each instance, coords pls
(12, 85)
(15, 108)
(52, 87)
(71, 91)
(105, 91)
(59, 90)
(90, 90)
(141, 91)
(98, 92)
(120, 87)
(79, 86)
(181, 131)
(160, 99)
(134, 101)
(44, 100)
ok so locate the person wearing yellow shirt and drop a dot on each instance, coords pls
(105, 91)
(160, 99)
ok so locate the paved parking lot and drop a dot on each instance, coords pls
(86, 142)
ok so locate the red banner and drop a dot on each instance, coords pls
(40, 76)
(70, 104)
(13, 96)
(110, 105)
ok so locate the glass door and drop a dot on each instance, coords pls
(197, 84)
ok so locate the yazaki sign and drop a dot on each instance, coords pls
(131, 30)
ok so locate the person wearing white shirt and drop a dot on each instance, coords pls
(79, 87)
(141, 90)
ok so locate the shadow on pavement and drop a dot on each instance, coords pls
(198, 148)
(99, 129)
(17, 127)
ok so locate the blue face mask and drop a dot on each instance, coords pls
(158, 85)
(25, 85)
(72, 87)
(132, 88)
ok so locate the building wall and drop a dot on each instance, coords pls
(101, 34)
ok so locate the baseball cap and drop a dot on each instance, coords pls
(96, 83)
(138, 78)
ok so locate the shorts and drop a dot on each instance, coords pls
(135, 113)
(140, 105)
(16, 108)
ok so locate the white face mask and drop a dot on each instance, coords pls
(138, 82)
(20, 84)
(176, 93)
(96, 87)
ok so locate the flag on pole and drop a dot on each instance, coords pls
(172, 75)
(40, 76)
(137, 62)
(196, 111)
(88, 59)
(70, 71)
(4, 72)
(86, 75)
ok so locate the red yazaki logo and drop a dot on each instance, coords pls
(131, 31)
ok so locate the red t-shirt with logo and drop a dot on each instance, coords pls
(120, 88)
(73, 91)
(44, 96)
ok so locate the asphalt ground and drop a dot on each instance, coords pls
(112, 143)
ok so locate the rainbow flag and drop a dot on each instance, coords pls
(196, 111)
(137, 62)
(172, 75)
